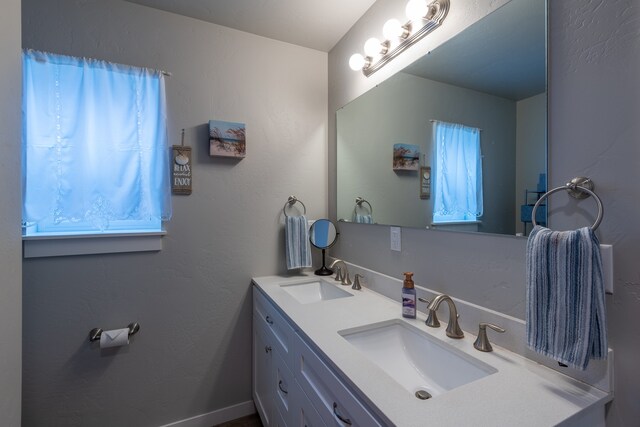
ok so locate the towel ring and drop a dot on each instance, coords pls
(292, 201)
(579, 188)
(360, 201)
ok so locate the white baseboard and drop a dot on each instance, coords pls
(217, 417)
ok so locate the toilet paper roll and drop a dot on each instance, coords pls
(114, 338)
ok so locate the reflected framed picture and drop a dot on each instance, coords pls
(406, 157)
(425, 182)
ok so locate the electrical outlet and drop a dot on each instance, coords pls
(396, 239)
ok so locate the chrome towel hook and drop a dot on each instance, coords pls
(580, 188)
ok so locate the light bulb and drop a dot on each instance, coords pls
(416, 10)
(356, 62)
(392, 30)
(372, 47)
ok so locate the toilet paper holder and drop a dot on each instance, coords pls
(95, 333)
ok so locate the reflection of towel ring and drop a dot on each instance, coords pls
(579, 188)
(360, 201)
(292, 201)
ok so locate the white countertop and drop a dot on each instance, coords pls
(521, 392)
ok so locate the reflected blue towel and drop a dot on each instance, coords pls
(565, 316)
(297, 247)
(363, 219)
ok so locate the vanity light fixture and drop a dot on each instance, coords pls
(416, 10)
(373, 47)
(394, 30)
(423, 18)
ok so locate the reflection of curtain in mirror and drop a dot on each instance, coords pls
(457, 173)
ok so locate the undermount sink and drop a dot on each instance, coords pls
(422, 364)
(314, 291)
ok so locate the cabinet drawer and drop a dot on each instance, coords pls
(283, 387)
(302, 412)
(278, 420)
(335, 404)
(265, 313)
(262, 376)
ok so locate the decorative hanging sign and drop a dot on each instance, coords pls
(425, 179)
(181, 168)
(425, 182)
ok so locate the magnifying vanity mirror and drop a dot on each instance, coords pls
(322, 235)
(490, 77)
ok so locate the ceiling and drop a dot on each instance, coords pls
(503, 54)
(314, 24)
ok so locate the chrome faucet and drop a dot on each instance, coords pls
(453, 328)
(343, 272)
(432, 318)
(482, 342)
(338, 271)
(356, 282)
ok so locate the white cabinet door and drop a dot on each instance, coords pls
(278, 420)
(302, 412)
(334, 402)
(282, 385)
(262, 374)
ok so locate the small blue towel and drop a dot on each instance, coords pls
(297, 247)
(363, 219)
(566, 317)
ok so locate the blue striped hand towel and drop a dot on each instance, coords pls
(565, 311)
(363, 219)
(297, 246)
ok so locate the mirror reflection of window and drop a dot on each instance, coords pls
(458, 173)
(323, 234)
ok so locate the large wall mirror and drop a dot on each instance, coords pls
(491, 77)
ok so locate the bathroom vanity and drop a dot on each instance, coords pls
(324, 354)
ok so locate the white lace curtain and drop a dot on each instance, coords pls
(95, 149)
(458, 173)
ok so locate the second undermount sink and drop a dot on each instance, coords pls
(314, 291)
(422, 364)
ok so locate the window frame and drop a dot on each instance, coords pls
(45, 238)
(457, 218)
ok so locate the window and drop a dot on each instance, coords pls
(458, 173)
(95, 150)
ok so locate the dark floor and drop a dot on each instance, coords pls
(248, 421)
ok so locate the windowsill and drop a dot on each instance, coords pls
(54, 244)
(435, 224)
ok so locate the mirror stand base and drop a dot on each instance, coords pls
(323, 271)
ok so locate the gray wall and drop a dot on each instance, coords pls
(594, 107)
(594, 131)
(531, 150)
(10, 241)
(399, 111)
(192, 299)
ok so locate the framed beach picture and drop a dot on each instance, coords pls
(227, 139)
(406, 157)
